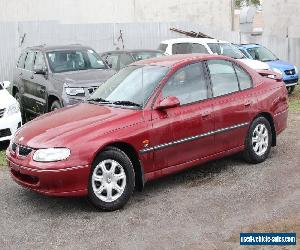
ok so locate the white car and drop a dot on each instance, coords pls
(208, 46)
(10, 115)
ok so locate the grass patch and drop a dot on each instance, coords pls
(2, 159)
(294, 99)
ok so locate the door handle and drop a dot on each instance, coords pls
(205, 114)
(247, 103)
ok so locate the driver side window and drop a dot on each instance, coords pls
(188, 84)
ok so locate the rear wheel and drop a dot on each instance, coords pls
(111, 180)
(55, 105)
(258, 141)
(290, 89)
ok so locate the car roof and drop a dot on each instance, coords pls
(193, 40)
(58, 47)
(170, 61)
(132, 51)
(249, 45)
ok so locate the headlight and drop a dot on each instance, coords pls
(13, 109)
(277, 71)
(75, 91)
(51, 154)
(296, 70)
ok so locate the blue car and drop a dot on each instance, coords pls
(288, 71)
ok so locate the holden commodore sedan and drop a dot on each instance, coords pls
(153, 118)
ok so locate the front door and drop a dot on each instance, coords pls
(181, 134)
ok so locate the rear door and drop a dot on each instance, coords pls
(180, 134)
(234, 103)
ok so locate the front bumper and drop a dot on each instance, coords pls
(53, 180)
(9, 125)
(290, 80)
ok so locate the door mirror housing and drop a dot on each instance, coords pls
(40, 70)
(5, 84)
(168, 102)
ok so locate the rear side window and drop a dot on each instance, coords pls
(163, 47)
(223, 77)
(21, 60)
(125, 59)
(29, 60)
(244, 78)
(187, 48)
(188, 84)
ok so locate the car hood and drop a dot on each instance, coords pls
(91, 77)
(6, 99)
(66, 127)
(282, 65)
(255, 64)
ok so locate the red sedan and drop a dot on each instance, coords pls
(151, 119)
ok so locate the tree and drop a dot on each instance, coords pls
(241, 3)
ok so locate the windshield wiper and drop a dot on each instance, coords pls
(127, 103)
(101, 100)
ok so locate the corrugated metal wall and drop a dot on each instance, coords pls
(103, 37)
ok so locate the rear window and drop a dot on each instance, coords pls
(163, 47)
(146, 55)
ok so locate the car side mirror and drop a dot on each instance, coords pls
(168, 102)
(5, 84)
(40, 71)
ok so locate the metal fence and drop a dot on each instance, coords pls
(106, 36)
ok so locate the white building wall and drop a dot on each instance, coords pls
(203, 12)
(281, 17)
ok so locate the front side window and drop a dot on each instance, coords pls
(226, 49)
(39, 61)
(223, 77)
(188, 84)
(262, 54)
(163, 47)
(188, 48)
(73, 60)
(131, 86)
(29, 60)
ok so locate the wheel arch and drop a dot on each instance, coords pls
(270, 119)
(51, 99)
(130, 151)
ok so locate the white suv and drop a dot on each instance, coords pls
(10, 115)
(208, 46)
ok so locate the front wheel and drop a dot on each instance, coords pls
(55, 105)
(18, 98)
(111, 180)
(258, 141)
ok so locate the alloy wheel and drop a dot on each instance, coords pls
(260, 139)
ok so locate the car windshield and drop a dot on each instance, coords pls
(131, 86)
(142, 55)
(73, 60)
(262, 54)
(226, 49)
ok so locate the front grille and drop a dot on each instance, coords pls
(2, 112)
(291, 81)
(25, 178)
(290, 72)
(5, 132)
(14, 147)
(24, 151)
(91, 90)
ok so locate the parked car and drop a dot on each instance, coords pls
(50, 77)
(10, 115)
(288, 71)
(208, 46)
(118, 59)
(151, 119)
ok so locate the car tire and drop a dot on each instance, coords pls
(112, 180)
(290, 89)
(258, 141)
(23, 115)
(55, 105)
